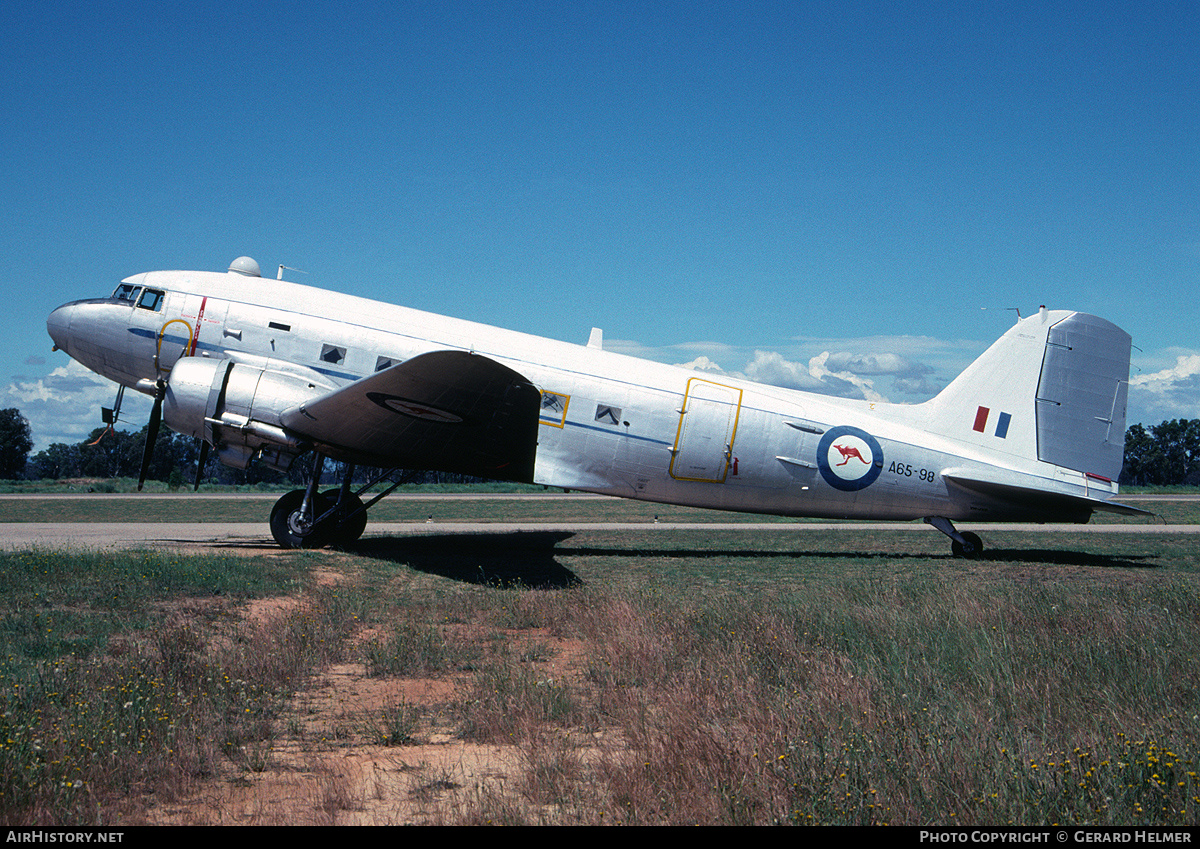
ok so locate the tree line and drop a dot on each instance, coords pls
(1166, 454)
(109, 453)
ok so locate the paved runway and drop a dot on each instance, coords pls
(255, 534)
(431, 496)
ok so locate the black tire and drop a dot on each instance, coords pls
(289, 531)
(344, 532)
(971, 547)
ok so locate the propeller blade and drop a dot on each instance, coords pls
(200, 464)
(160, 392)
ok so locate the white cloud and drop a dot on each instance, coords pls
(772, 368)
(64, 405)
(875, 368)
(1185, 370)
(1170, 393)
(887, 363)
(819, 367)
(703, 364)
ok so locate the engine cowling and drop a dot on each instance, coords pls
(236, 408)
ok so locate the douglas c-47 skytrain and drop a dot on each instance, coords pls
(1032, 431)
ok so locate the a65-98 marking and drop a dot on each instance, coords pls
(906, 470)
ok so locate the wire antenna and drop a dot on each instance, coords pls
(279, 276)
(1017, 310)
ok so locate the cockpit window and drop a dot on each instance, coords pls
(151, 299)
(127, 292)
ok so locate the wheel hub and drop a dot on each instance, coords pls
(299, 524)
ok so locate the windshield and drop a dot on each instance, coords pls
(147, 299)
(127, 292)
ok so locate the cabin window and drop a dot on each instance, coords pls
(607, 414)
(385, 362)
(127, 292)
(151, 299)
(275, 325)
(332, 354)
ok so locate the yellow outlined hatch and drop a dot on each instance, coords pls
(707, 428)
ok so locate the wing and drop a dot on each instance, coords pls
(450, 411)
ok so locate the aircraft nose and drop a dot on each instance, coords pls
(58, 325)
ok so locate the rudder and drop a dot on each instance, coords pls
(1082, 392)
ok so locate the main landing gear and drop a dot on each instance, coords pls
(309, 518)
(961, 544)
(299, 520)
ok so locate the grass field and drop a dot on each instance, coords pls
(235, 507)
(636, 677)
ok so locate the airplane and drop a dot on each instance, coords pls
(266, 370)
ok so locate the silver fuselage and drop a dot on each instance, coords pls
(610, 423)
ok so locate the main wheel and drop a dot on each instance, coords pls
(345, 531)
(292, 529)
(971, 546)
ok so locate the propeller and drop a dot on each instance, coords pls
(200, 463)
(160, 392)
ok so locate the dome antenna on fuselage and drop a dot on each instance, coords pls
(245, 266)
(248, 267)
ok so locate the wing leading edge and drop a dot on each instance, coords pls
(450, 411)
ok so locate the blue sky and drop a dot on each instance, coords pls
(848, 197)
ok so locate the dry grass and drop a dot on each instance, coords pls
(705, 680)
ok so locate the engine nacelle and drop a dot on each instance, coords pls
(236, 408)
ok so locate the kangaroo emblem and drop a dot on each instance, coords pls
(847, 452)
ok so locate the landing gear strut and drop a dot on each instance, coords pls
(961, 544)
(307, 518)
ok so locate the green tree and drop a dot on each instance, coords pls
(1179, 441)
(116, 453)
(1140, 457)
(15, 443)
(174, 454)
(58, 461)
(110, 454)
(1165, 454)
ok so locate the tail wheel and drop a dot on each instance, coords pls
(971, 546)
(293, 529)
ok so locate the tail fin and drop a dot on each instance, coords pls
(1053, 387)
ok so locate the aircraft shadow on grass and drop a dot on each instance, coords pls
(501, 560)
(529, 559)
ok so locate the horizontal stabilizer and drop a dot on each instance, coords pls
(1001, 500)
